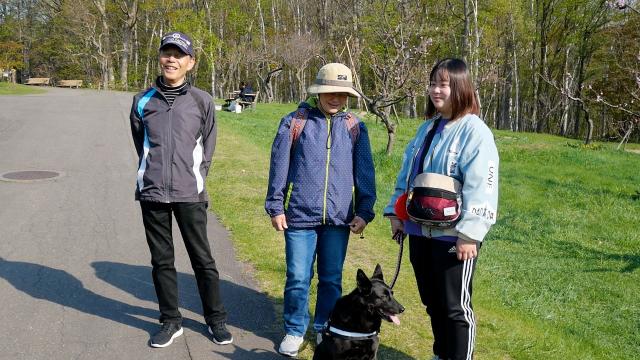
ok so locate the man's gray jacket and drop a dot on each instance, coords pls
(175, 144)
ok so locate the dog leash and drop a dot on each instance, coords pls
(399, 238)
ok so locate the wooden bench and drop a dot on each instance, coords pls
(70, 83)
(37, 81)
(251, 104)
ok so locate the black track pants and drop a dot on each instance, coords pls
(192, 222)
(444, 283)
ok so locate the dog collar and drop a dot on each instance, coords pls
(350, 334)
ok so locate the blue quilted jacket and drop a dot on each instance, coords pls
(326, 177)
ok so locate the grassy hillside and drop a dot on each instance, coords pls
(17, 89)
(558, 276)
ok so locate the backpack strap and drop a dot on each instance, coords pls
(351, 122)
(353, 126)
(297, 125)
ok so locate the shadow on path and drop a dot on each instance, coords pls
(62, 288)
(247, 308)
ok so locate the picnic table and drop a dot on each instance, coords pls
(251, 103)
(231, 96)
(235, 96)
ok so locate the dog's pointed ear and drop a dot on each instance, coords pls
(377, 273)
(364, 284)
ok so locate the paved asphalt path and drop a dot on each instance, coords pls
(75, 274)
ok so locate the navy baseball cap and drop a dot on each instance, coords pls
(182, 41)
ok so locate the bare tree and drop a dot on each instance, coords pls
(129, 9)
(297, 52)
(90, 27)
(105, 42)
(396, 61)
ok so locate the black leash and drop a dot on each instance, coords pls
(399, 238)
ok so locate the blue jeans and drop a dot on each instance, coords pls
(329, 244)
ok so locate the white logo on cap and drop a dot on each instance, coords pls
(178, 37)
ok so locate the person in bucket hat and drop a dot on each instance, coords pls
(321, 187)
(334, 78)
(174, 131)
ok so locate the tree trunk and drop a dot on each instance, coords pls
(268, 83)
(147, 70)
(626, 136)
(589, 137)
(300, 80)
(275, 19)
(136, 55)
(504, 117)
(578, 95)
(541, 15)
(475, 72)
(566, 101)
(489, 105)
(262, 27)
(391, 127)
(476, 56)
(212, 77)
(465, 35)
(106, 65)
(124, 62)
(516, 106)
(131, 13)
(292, 96)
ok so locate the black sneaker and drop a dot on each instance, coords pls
(165, 336)
(221, 335)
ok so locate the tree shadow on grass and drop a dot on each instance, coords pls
(630, 262)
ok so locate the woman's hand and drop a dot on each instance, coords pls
(466, 250)
(397, 226)
(279, 222)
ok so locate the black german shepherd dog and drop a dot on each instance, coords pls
(355, 321)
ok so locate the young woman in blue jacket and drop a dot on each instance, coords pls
(444, 260)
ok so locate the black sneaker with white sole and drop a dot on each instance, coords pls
(220, 334)
(165, 336)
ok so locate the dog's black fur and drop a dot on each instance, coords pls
(361, 311)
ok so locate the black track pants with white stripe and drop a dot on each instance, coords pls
(445, 283)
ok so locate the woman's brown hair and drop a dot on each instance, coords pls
(463, 94)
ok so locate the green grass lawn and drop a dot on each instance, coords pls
(558, 276)
(17, 89)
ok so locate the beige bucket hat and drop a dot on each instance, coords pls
(333, 78)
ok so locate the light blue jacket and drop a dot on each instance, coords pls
(465, 150)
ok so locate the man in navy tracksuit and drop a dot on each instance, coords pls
(321, 185)
(174, 130)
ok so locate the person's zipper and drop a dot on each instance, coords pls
(326, 177)
(167, 162)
